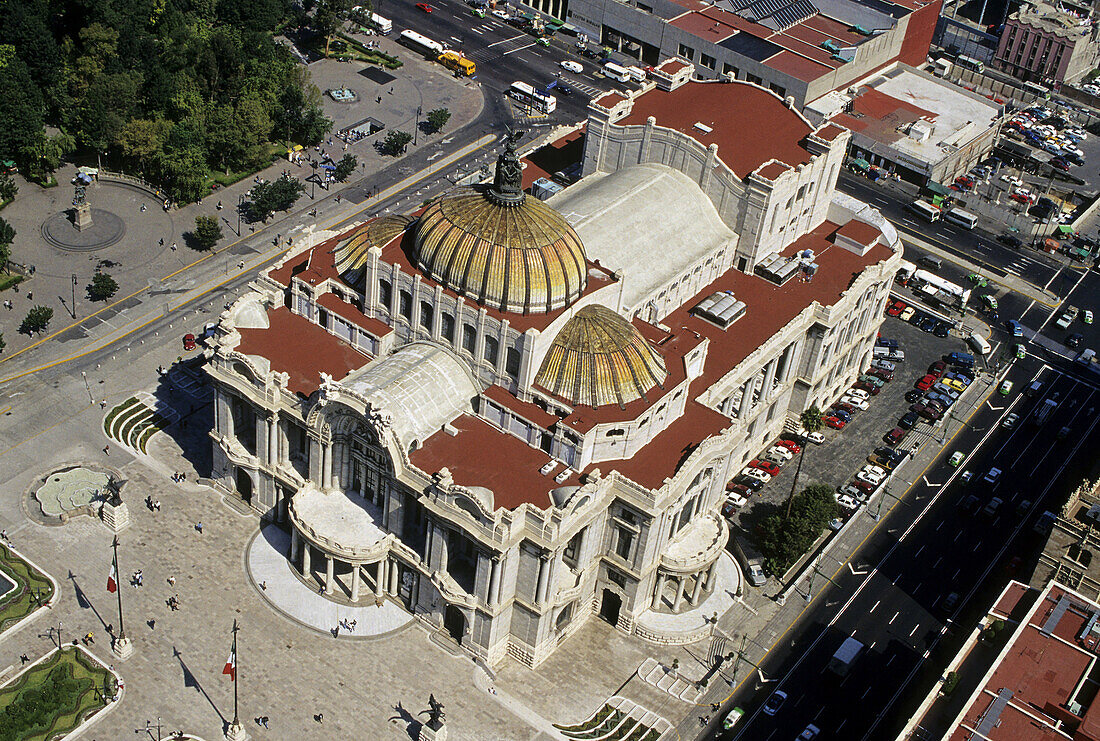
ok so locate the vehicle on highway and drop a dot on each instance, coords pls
(947, 606)
(1067, 317)
(970, 504)
(424, 7)
(756, 473)
(1005, 388)
(845, 655)
(529, 96)
(771, 707)
(1074, 340)
(992, 476)
(732, 717)
(1010, 240)
(571, 66)
(991, 508)
(1019, 351)
(1015, 328)
(835, 422)
(1010, 420)
(956, 458)
(1034, 389)
(1087, 317)
(907, 314)
(769, 467)
(809, 733)
(1043, 411)
(978, 280)
(895, 436)
(501, 14)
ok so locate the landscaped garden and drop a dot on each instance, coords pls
(32, 589)
(133, 422)
(54, 696)
(613, 724)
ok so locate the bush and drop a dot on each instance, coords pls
(36, 320)
(950, 682)
(345, 167)
(396, 142)
(206, 233)
(438, 118)
(102, 287)
(784, 540)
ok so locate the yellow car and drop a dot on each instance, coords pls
(951, 383)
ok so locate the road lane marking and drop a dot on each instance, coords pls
(505, 41)
(914, 630)
(873, 608)
(513, 51)
(937, 563)
(893, 618)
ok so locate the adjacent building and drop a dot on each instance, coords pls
(511, 415)
(1072, 543)
(797, 48)
(914, 124)
(1047, 45)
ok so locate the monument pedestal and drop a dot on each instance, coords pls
(428, 733)
(115, 516)
(82, 216)
(235, 732)
(123, 648)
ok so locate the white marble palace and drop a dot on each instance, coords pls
(512, 415)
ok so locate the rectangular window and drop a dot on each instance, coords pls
(511, 362)
(645, 8)
(624, 543)
(728, 69)
(492, 348)
(573, 549)
(448, 327)
(753, 79)
(385, 294)
(686, 52)
(469, 338)
(426, 315)
(406, 306)
(708, 61)
(778, 90)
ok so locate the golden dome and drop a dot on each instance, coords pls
(501, 248)
(599, 358)
(351, 254)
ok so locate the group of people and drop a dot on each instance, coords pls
(137, 578)
(179, 477)
(152, 504)
(173, 602)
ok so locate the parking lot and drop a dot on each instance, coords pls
(844, 452)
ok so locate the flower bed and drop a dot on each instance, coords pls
(589, 724)
(21, 601)
(53, 697)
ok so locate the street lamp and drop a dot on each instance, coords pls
(313, 180)
(85, 377)
(240, 207)
(74, 297)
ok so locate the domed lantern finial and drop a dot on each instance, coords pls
(507, 188)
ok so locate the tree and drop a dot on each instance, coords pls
(5, 257)
(2, 343)
(206, 233)
(36, 320)
(345, 167)
(7, 232)
(438, 118)
(784, 539)
(811, 422)
(275, 195)
(102, 287)
(8, 188)
(328, 17)
(396, 142)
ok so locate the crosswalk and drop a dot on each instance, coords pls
(583, 88)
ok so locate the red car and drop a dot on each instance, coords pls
(896, 308)
(885, 375)
(425, 7)
(741, 489)
(189, 341)
(895, 436)
(766, 466)
(835, 422)
(937, 368)
(926, 383)
(863, 486)
(868, 387)
(790, 445)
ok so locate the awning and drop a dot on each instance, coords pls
(555, 25)
(1081, 252)
(860, 164)
(940, 190)
(1063, 229)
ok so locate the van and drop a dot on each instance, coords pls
(896, 356)
(1086, 356)
(882, 352)
(637, 74)
(930, 261)
(979, 343)
(961, 358)
(751, 561)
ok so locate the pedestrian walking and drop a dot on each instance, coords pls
(171, 581)
(107, 449)
(156, 505)
(264, 719)
(263, 585)
(143, 208)
(198, 526)
(320, 717)
(24, 658)
(152, 623)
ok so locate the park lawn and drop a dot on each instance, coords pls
(8, 281)
(273, 152)
(54, 697)
(21, 601)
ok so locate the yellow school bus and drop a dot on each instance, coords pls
(457, 62)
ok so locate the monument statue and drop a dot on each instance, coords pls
(82, 212)
(507, 188)
(435, 710)
(79, 199)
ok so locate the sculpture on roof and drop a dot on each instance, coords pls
(507, 188)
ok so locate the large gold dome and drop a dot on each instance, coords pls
(501, 248)
(599, 358)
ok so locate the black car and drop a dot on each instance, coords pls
(751, 483)
(914, 396)
(917, 318)
(928, 324)
(908, 421)
(1010, 240)
(564, 89)
(942, 329)
(1074, 159)
(970, 504)
(893, 455)
(1074, 340)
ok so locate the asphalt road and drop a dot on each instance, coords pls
(891, 595)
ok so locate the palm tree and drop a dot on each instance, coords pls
(811, 422)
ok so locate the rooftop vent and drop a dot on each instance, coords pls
(721, 308)
(702, 127)
(777, 269)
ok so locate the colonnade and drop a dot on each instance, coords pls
(387, 571)
(703, 581)
(758, 388)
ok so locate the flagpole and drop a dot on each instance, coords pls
(121, 645)
(236, 671)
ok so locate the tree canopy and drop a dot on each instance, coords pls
(169, 89)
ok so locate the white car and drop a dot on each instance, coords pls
(858, 403)
(858, 393)
(781, 453)
(907, 313)
(570, 66)
(1011, 180)
(1010, 421)
(737, 500)
(501, 14)
(815, 437)
(756, 473)
(847, 502)
(873, 475)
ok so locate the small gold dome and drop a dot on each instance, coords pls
(599, 358)
(351, 254)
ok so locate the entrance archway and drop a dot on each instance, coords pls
(244, 484)
(455, 623)
(610, 605)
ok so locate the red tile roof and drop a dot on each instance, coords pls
(298, 347)
(829, 132)
(525, 409)
(333, 303)
(798, 66)
(610, 99)
(772, 170)
(482, 455)
(750, 125)
(313, 266)
(704, 27)
(859, 231)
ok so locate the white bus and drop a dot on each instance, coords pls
(422, 44)
(528, 96)
(970, 63)
(961, 218)
(616, 72)
(380, 24)
(925, 210)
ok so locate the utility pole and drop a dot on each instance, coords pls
(234, 732)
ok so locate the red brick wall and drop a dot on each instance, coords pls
(918, 34)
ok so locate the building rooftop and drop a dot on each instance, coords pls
(904, 106)
(750, 125)
(1031, 689)
(1052, 20)
(296, 346)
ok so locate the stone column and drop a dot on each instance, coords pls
(305, 559)
(661, 579)
(283, 440)
(698, 588)
(498, 595)
(395, 575)
(769, 378)
(544, 579)
(679, 594)
(494, 581)
(746, 399)
(355, 568)
(345, 465)
(273, 439)
(362, 480)
(295, 544)
(262, 435)
(326, 465)
(379, 582)
(330, 575)
(441, 537)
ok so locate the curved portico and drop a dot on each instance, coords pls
(686, 570)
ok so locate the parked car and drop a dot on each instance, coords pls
(790, 445)
(908, 420)
(856, 402)
(815, 437)
(926, 383)
(885, 365)
(739, 489)
(942, 330)
(896, 456)
(769, 467)
(835, 422)
(895, 308)
(869, 477)
(839, 414)
(954, 383)
(732, 504)
(895, 436)
(756, 473)
(887, 343)
(885, 375)
(847, 502)
(859, 393)
(862, 489)
(907, 314)
(936, 368)
(750, 482)
(914, 396)
(868, 387)
(778, 451)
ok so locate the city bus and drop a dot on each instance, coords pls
(924, 210)
(969, 63)
(528, 96)
(420, 43)
(460, 64)
(616, 72)
(961, 218)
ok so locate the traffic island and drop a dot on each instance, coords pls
(61, 692)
